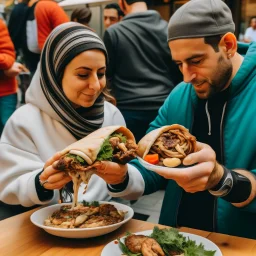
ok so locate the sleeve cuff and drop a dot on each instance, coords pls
(42, 193)
(135, 187)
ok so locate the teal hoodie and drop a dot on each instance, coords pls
(238, 139)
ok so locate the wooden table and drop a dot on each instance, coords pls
(18, 236)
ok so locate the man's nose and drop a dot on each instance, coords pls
(188, 74)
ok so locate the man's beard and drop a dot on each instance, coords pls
(221, 76)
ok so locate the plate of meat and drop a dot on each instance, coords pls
(84, 220)
(161, 242)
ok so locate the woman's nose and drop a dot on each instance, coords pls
(94, 83)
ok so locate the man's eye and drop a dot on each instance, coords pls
(196, 62)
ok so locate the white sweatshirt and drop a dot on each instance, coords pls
(32, 135)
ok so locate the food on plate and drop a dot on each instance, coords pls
(143, 244)
(85, 215)
(167, 146)
(162, 242)
(111, 143)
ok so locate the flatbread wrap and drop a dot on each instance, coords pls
(167, 146)
(80, 159)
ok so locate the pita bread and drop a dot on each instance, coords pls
(148, 140)
(89, 147)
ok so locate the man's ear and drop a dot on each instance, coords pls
(122, 5)
(229, 44)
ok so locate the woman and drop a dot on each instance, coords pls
(67, 100)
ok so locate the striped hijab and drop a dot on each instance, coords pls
(63, 44)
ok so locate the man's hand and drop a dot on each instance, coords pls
(55, 179)
(14, 70)
(111, 172)
(205, 174)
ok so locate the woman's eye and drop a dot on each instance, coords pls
(82, 75)
(100, 75)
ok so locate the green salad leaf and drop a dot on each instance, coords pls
(77, 158)
(171, 240)
(106, 151)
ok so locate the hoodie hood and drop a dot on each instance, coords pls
(35, 96)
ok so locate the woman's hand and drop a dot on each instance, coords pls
(111, 172)
(205, 174)
(52, 178)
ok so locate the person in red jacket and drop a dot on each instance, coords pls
(8, 70)
(42, 17)
(48, 16)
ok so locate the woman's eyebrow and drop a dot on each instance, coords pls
(89, 68)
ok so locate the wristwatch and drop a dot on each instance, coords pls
(224, 187)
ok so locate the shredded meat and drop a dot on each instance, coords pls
(85, 216)
(174, 143)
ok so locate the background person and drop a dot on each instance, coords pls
(250, 33)
(141, 73)
(82, 15)
(9, 69)
(66, 100)
(112, 14)
(217, 193)
(42, 17)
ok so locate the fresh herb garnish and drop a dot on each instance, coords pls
(93, 203)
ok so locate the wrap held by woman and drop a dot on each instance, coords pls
(167, 145)
(80, 159)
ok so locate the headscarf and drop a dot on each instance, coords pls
(63, 44)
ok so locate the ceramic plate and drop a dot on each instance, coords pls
(112, 248)
(39, 216)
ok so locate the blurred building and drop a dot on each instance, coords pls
(242, 11)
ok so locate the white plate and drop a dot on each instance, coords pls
(155, 168)
(38, 218)
(112, 248)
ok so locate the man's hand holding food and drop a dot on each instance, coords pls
(202, 171)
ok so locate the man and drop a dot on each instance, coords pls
(250, 33)
(140, 72)
(112, 14)
(216, 101)
(8, 70)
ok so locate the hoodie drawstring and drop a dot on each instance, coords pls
(209, 117)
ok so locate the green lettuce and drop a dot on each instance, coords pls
(106, 151)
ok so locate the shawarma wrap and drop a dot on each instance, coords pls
(80, 159)
(167, 146)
